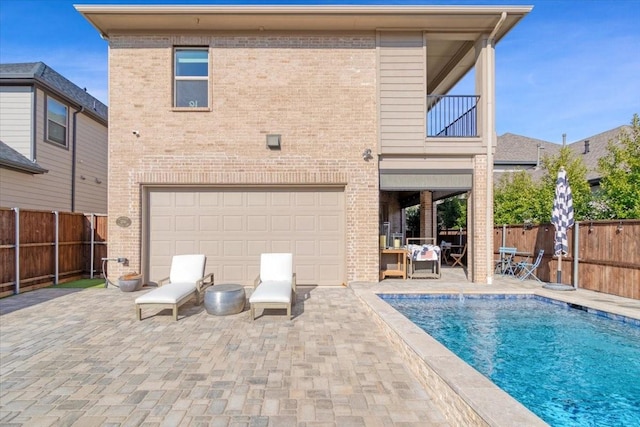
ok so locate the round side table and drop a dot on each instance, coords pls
(223, 299)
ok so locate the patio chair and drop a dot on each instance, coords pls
(457, 258)
(526, 269)
(186, 280)
(505, 264)
(275, 287)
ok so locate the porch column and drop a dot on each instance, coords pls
(426, 214)
(483, 164)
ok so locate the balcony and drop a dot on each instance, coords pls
(452, 116)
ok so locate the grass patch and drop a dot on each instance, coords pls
(81, 284)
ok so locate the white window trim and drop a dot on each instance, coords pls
(65, 125)
(190, 78)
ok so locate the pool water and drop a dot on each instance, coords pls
(568, 366)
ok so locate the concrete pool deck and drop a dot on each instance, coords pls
(79, 357)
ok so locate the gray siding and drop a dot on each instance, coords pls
(402, 91)
(52, 190)
(16, 116)
(91, 160)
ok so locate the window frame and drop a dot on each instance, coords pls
(65, 125)
(176, 78)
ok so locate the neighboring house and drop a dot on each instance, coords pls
(515, 153)
(53, 154)
(238, 130)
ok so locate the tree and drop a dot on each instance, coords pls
(413, 220)
(516, 200)
(452, 213)
(620, 168)
(577, 176)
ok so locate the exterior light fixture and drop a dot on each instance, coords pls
(273, 141)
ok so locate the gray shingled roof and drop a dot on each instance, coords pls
(48, 77)
(11, 159)
(520, 152)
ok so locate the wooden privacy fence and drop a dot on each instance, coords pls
(40, 248)
(604, 258)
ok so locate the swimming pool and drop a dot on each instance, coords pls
(570, 367)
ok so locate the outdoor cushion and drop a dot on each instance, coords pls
(167, 294)
(272, 291)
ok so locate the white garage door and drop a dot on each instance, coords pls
(233, 227)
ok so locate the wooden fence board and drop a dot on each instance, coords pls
(608, 254)
(37, 248)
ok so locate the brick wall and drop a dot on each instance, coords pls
(318, 92)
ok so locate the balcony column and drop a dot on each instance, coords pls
(426, 214)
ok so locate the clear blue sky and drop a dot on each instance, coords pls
(571, 66)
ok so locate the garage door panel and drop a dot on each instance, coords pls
(305, 248)
(306, 273)
(162, 223)
(281, 199)
(186, 223)
(230, 199)
(233, 227)
(329, 199)
(327, 247)
(233, 273)
(305, 199)
(257, 223)
(257, 200)
(183, 247)
(185, 200)
(305, 223)
(233, 248)
(257, 247)
(232, 223)
(162, 199)
(329, 223)
(209, 199)
(280, 223)
(211, 248)
(281, 246)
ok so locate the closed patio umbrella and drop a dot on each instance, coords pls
(562, 218)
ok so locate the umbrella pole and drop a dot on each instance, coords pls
(559, 272)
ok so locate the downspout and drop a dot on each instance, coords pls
(490, 139)
(73, 159)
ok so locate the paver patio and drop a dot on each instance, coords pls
(70, 357)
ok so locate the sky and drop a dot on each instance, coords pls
(569, 67)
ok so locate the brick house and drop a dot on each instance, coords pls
(237, 130)
(53, 142)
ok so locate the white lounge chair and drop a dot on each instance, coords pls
(186, 280)
(275, 287)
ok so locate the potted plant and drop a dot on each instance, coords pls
(130, 282)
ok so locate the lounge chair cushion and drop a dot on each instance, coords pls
(272, 291)
(167, 294)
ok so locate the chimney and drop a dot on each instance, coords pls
(586, 146)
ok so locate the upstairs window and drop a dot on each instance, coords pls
(191, 78)
(56, 122)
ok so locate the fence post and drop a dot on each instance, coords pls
(504, 235)
(576, 241)
(56, 247)
(93, 216)
(17, 250)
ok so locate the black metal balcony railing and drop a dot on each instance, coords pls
(452, 115)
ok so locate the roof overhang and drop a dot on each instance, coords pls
(109, 19)
(451, 31)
